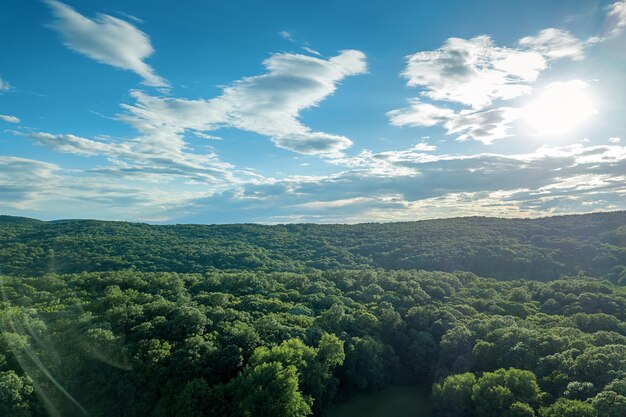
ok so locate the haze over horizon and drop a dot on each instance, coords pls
(11, 218)
(324, 112)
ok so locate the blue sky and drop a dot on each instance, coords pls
(311, 111)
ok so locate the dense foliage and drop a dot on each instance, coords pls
(129, 343)
(540, 249)
(265, 333)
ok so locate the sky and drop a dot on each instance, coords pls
(297, 111)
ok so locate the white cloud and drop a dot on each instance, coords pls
(285, 35)
(425, 147)
(615, 22)
(36, 188)
(419, 113)
(476, 73)
(79, 146)
(617, 18)
(23, 181)
(268, 104)
(9, 118)
(206, 136)
(615, 140)
(158, 170)
(483, 125)
(409, 185)
(316, 205)
(473, 72)
(311, 51)
(313, 143)
(554, 110)
(554, 44)
(106, 39)
(144, 158)
(130, 16)
(393, 185)
(4, 86)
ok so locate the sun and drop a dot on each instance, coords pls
(559, 107)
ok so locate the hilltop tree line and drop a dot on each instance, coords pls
(541, 249)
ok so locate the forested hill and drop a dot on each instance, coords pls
(308, 315)
(543, 249)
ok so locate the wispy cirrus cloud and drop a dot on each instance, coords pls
(161, 153)
(391, 185)
(286, 35)
(106, 39)
(410, 184)
(37, 188)
(23, 181)
(311, 51)
(4, 85)
(68, 143)
(419, 113)
(482, 125)
(9, 118)
(143, 158)
(617, 18)
(554, 44)
(267, 104)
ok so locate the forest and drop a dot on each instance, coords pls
(500, 317)
(540, 249)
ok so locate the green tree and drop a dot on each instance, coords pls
(568, 408)
(577, 390)
(609, 404)
(268, 390)
(495, 392)
(15, 393)
(453, 396)
(519, 409)
(612, 401)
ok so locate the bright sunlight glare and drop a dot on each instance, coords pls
(559, 107)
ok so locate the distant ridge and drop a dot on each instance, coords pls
(18, 219)
(540, 249)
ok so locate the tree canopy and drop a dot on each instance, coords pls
(129, 326)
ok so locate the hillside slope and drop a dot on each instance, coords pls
(543, 249)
